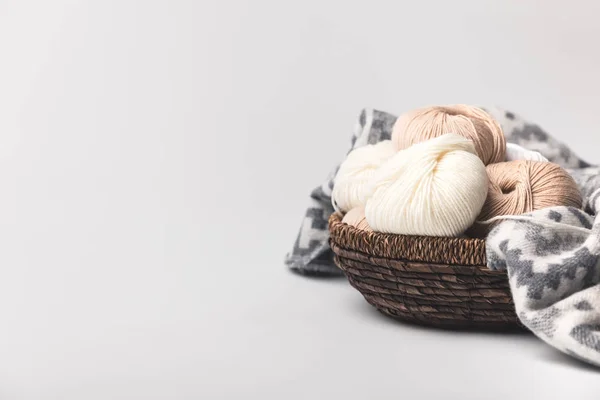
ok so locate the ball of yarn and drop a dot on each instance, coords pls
(516, 152)
(356, 217)
(470, 122)
(350, 187)
(521, 186)
(433, 188)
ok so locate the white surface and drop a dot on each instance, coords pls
(155, 158)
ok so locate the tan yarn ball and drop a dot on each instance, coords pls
(521, 186)
(356, 218)
(470, 122)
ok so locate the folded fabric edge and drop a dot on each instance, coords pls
(313, 268)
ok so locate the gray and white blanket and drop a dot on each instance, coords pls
(552, 256)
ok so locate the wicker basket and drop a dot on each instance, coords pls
(428, 280)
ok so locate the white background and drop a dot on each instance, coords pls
(155, 161)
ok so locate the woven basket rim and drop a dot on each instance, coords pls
(426, 249)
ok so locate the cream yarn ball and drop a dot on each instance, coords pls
(516, 152)
(351, 183)
(433, 188)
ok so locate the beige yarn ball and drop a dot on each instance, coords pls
(521, 186)
(356, 217)
(470, 122)
(351, 187)
(433, 188)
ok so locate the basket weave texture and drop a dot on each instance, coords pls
(434, 281)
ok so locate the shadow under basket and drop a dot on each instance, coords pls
(434, 281)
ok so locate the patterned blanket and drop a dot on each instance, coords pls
(552, 256)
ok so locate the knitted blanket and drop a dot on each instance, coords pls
(552, 256)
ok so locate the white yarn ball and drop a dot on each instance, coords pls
(433, 188)
(351, 187)
(516, 152)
